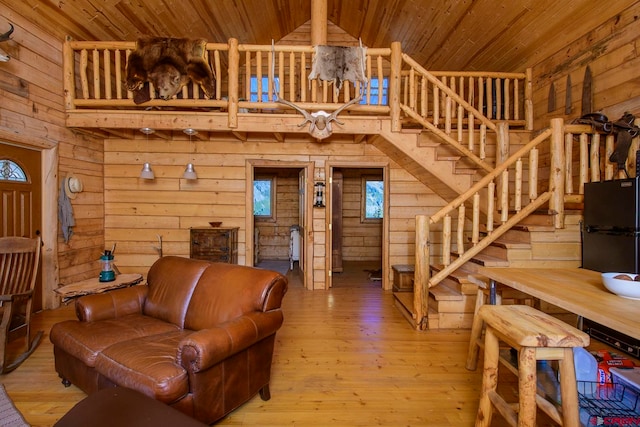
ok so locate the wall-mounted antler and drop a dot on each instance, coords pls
(4, 57)
(319, 121)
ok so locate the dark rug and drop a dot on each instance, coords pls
(374, 274)
(281, 266)
(9, 414)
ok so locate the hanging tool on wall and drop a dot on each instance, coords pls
(587, 92)
(551, 101)
(567, 96)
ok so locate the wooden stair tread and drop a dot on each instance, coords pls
(510, 244)
(460, 275)
(489, 261)
(442, 292)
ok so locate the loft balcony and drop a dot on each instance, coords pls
(397, 90)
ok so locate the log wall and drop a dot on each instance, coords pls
(137, 210)
(32, 115)
(610, 49)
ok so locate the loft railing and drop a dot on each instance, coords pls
(397, 87)
(552, 168)
(463, 102)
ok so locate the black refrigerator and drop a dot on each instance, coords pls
(611, 227)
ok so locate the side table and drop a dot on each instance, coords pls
(95, 286)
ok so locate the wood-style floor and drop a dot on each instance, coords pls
(344, 357)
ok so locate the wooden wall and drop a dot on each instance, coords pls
(32, 115)
(610, 49)
(137, 211)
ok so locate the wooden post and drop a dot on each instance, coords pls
(68, 76)
(422, 271)
(528, 99)
(502, 154)
(234, 77)
(394, 86)
(318, 22)
(557, 173)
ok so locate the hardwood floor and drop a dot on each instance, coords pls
(344, 357)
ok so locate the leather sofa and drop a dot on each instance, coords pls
(198, 336)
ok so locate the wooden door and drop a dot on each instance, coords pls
(21, 198)
(302, 209)
(336, 222)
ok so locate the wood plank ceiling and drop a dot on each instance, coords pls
(487, 35)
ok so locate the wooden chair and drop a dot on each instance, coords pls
(19, 260)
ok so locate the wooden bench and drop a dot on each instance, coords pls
(536, 336)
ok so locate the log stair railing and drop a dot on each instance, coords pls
(499, 194)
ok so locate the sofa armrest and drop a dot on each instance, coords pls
(112, 304)
(206, 347)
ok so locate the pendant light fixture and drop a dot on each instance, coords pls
(189, 171)
(147, 172)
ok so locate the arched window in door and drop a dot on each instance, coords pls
(11, 171)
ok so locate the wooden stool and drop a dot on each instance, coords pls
(503, 293)
(536, 336)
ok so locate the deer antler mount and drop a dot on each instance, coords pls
(320, 122)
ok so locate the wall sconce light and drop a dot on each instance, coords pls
(318, 188)
(190, 172)
(147, 172)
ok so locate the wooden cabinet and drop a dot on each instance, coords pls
(215, 244)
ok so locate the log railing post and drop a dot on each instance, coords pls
(68, 75)
(395, 86)
(557, 173)
(234, 79)
(422, 271)
(528, 99)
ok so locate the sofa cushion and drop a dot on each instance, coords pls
(171, 284)
(148, 365)
(230, 292)
(85, 340)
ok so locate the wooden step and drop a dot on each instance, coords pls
(489, 261)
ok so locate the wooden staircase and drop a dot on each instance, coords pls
(534, 242)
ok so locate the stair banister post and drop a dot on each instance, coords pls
(422, 271)
(234, 79)
(528, 99)
(394, 86)
(557, 173)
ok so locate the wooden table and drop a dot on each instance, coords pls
(577, 290)
(95, 286)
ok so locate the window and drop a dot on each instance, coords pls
(377, 92)
(10, 171)
(264, 90)
(264, 198)
(372, 199)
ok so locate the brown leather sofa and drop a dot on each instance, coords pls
(199, 336)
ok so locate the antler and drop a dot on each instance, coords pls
(5, 36)
(307, 116)
(333, 116)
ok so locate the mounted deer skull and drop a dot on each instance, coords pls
(4, 57)
(319, 121)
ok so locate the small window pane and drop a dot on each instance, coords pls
(262, 197)
(374, 199)
(264, 95)
(10, 171)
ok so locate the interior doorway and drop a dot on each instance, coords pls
(357, 226)
(278, 212)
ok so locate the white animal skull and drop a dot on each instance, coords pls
(319, 121)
